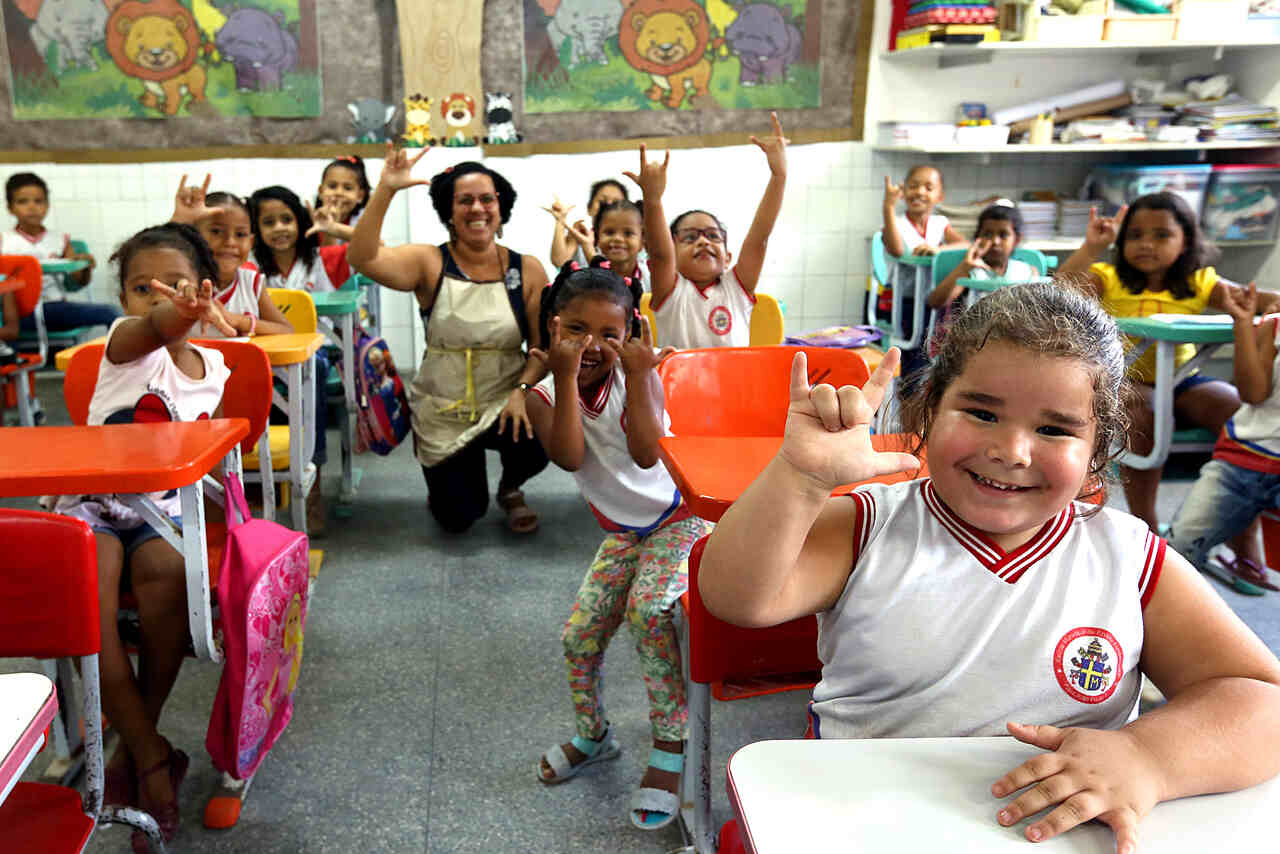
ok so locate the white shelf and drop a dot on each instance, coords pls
(1082, 148)
(986, 51)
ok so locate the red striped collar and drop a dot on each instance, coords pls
(1010, 566)
(592, 408)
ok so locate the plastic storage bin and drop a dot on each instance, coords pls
(1207, 20)
(1243, 203)
(1120, 184)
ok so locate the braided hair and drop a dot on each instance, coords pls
(574, 281)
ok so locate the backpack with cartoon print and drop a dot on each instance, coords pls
(382, 407)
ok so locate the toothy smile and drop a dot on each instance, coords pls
(995, 484)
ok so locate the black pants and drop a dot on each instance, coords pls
(458, 487)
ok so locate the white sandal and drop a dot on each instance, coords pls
(657, 804)
(595, 751)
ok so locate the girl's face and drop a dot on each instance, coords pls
(229, 236)
(1012, 440)
(620, 238)
(340, 189)
(701, 253)
(277, 225)
(167, 265)
(1003, 241)
(604, 320)
(1153, 240)
(476, 215)
(922, 191)
(608, 194)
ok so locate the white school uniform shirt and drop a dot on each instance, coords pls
(239, 297)
(1014, 271)
(150, 389)
(718, 315)
(623, 496)
(50, 244)
(935, 228)
(312, 279)
(939, 632)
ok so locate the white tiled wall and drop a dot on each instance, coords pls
(817, 261)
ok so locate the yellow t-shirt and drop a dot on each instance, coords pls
(1119, 301)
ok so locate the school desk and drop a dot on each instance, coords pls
(919, 286)
(934, 794)
(27, 705)
(130, 460)
(1209, 332)
(712, 471)
(62, 265)
(345, 305)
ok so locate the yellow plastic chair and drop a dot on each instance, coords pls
(766, 320)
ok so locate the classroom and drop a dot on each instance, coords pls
(367, 348)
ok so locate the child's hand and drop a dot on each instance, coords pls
(637, 355)
(324, 219)
(973, 256)
(196, 303)
(892, 193)
(188, 202)
(653, 176)
(1241, 303)
(1091, 774)
(564, 357)
(559, 210)
(398, 165)
(581, 232)
(85, 256)
(828, 432)
(775, 148)
(925, 249)
(1103, 230)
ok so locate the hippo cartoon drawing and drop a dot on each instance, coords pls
(259, 48)
(766, 43)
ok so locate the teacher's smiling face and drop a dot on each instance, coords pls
(476, 214)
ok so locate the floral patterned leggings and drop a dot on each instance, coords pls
(639, 578)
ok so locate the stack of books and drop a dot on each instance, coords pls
(1073, 218)
(1231, 119)
(1039, 219)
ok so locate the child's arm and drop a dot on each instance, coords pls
(188, 202)
(271, 320)
(889, 233)
(1099, 236)
(657, 236)
(1219, 731)
(952, 238)
(751, 258)
(561, 243)
(948, 289)
(167, 322)
(785, 548)
(81, 277)
(644, 394)
(1254, 353)
(560, 430)
(9, 309)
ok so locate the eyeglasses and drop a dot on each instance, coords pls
(690, 235)
(486, 199)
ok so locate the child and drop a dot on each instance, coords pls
(223, 221)
(574, 242)
(28, 198)
(999, 232)
(344, 189)
(694, 302)
(918, 230)
(149, 372)
(619, 227)
(923, 586)
(1159, 269)
(1243, 478)
(599, 415)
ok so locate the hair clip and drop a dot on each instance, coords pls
(626, 280)
(604, 265)
(574, 266)
(636, 312)
(349, 158)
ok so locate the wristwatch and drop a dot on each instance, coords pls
(524, 387)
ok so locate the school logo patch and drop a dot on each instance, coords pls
(720, 320)
(1088, 662)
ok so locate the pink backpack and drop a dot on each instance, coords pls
(262, 596)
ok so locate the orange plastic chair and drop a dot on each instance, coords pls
(22, 372)
(49, 608)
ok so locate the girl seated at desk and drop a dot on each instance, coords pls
(990, 256)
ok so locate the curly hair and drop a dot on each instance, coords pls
(1195, 251)
(171, 235)
(574, 281)
(442, 190)
(1057, 319)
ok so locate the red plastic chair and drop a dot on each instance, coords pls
(49, 608)
(18, 378)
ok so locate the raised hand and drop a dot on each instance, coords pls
(581, 232)
(188, 202)
(1090, 774)
(559, 210)
(973, 256)
(892, 193)
(564, 357)
(324, 219)
(1241, 303)
(196, 303)
(774, 148)
(637, 353)
(828, 432)
(397, 169)
(1103, 230)
(653, 176)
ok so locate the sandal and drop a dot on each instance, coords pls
(521, 519)
(1244, 570)
(654, 809)
(168, 815)
(606, 747)
(120, 782)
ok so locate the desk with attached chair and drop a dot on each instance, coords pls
(345, 306)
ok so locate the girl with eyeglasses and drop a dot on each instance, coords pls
(697, 300)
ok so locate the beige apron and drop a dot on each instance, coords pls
(473, 361)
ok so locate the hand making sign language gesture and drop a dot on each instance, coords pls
(397, 167)
(637, 354)
(196, 303)
(1102, 231)
(188, 202)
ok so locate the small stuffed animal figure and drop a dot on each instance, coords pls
(459, 111)
(498, 115)
(369, 119)
(417, 121)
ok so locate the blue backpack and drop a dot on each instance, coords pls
(382, 408)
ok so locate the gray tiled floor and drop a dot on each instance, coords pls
(433, 680)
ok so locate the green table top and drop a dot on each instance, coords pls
(914, 260)
(994, 284)
(1189, 332)
(331, 303)
(62, 265)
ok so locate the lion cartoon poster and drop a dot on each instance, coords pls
(626, 55)
(78, 59)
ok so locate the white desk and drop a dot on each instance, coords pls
(934, 794)
(27, 705)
